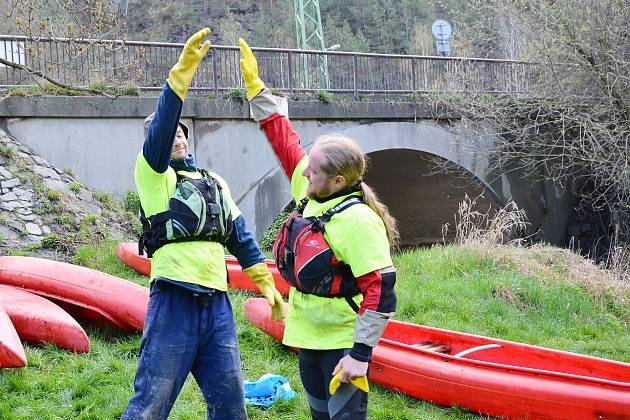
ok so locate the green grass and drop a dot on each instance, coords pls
(448, 287)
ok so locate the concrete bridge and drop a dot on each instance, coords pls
(421, 168)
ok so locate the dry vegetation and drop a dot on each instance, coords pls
(497, 236)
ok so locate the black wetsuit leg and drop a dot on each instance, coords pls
(316, 368)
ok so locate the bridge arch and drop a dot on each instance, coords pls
(421, 171)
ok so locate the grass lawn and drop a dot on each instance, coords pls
(501, 293)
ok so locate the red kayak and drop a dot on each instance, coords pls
(84, 292)
(11, 350)
(38, 320)
(486, 375)
(127, 252)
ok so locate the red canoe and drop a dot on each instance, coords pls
(11, 350)
(127, 252)
(96, 295)
(486, 375)
(38, 320)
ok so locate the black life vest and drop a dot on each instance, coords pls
(197, 211)
(305, 259)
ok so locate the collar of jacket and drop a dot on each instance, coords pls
(187, 164)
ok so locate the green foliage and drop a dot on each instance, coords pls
(129, 89)
(6, 150)
(54, 195)
(53, 89)
(64, 220)
(89, 220)
(325, 96)
(236, 94)
(75, 187)
(267, 240)
(131, 202)
(24, 91)
(52, 241)
(105, 198)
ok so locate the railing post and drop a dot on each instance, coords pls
(413, 74)
(114, 71)
(214, 74)
(355, 77)
(290, 70)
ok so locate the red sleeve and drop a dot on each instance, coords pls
(284, 140)
(377, 288)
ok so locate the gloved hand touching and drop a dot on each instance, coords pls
(249, 69)
(259, 273)
(350, 370)
(182, 73)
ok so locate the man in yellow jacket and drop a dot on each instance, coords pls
(335, 252)
(188, 217)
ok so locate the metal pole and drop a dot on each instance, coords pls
(355, 76)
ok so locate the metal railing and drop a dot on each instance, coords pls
(146, 64)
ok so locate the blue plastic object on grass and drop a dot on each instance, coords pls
(267, 390)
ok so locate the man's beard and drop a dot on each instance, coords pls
(320, 195)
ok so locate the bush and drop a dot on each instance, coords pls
(267, 240)
(131, 202)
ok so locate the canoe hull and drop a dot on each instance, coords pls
(481, 386)
(97, 295)
(39, 321)
(127, 252)
(11, 350)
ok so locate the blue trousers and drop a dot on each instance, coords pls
(187, 332)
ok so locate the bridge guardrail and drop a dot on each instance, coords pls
(146, 64)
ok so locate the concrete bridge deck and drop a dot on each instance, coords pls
(420, 167)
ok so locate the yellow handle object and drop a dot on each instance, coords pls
(249, 68)
(360, 382)
(182, 73)
(259, 273)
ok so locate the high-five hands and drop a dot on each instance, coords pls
(249, 69)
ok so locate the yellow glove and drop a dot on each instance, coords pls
(360, 382)
(260, 275)
(249, 68)
(181, 75)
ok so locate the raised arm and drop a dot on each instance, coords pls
(160, 133)
(267, 111)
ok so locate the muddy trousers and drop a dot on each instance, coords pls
(316, 368)
(187, 332)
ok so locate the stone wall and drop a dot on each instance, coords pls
(45, 209)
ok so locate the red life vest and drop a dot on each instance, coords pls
(305, 259)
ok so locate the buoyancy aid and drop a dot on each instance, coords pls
(197, 211)
(305, 259)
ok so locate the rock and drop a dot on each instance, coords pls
(56, 184)
(24, 211)
(10, 183)
(27, 217)
(6, 233)
(33, 229)
(46, 172)
(23, 194)
(40, 161)
(11, 205)
(10, 196)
